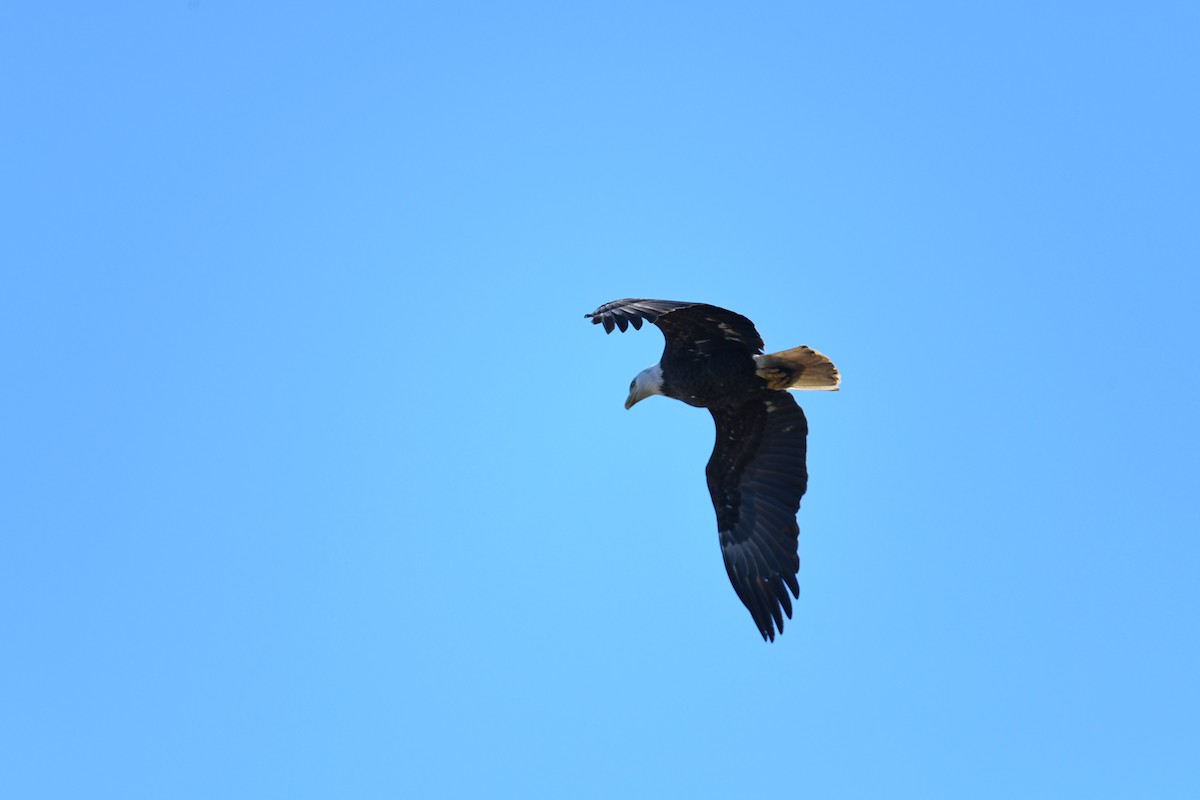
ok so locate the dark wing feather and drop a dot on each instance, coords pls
(756, 477)
(622, 313)
(681, 323)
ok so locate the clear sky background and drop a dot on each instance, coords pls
(316, 483)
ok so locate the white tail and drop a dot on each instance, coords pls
(800, 368)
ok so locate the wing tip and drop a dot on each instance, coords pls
(623, 313)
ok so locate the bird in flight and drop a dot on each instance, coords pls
(757, 474)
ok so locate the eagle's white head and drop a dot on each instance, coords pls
(649, 381)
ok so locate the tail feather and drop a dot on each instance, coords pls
(800, 368)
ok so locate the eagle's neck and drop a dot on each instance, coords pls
(650, 380)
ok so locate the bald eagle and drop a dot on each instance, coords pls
(714, 359)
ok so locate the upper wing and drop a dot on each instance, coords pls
(681, 323)
(756, 477)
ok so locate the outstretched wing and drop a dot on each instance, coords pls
(756, 477)
(681, 323)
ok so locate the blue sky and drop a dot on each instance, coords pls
(316, 483)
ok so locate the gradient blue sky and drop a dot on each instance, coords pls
(316, 483)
